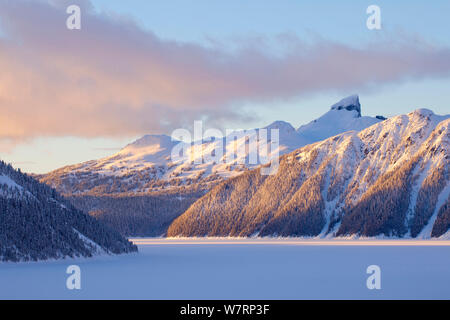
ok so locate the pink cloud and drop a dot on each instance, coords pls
(113, 78)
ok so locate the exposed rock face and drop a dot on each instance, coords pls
(342, 116)
(349, 103)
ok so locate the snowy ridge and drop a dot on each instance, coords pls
(389, 179)
(343, 116)
(5, 180)
(10, 189)
(145, 165)
(96, 248)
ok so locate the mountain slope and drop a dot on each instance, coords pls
(140, 190)
(38, 224)
(390, 179)
(145, 165)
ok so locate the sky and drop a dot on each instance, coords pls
(147, 67)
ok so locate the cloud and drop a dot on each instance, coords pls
(20, 163)
(113, 78)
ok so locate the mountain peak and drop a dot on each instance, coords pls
(349, 103)
(344, 115)
(161, 140)
(281, 125)
(334, 188)
(423, 112)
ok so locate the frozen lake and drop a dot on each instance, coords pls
(243, 269)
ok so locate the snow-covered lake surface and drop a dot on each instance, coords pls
(243, 269)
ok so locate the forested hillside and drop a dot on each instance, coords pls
(137, 215)
(36, 223)
(391, 179)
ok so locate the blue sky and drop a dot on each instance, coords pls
(231, 24)
(341, 20)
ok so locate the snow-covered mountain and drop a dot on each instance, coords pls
(343, 116)
(146, 166)
(38, 224)
(139, 191)
(390, 179)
